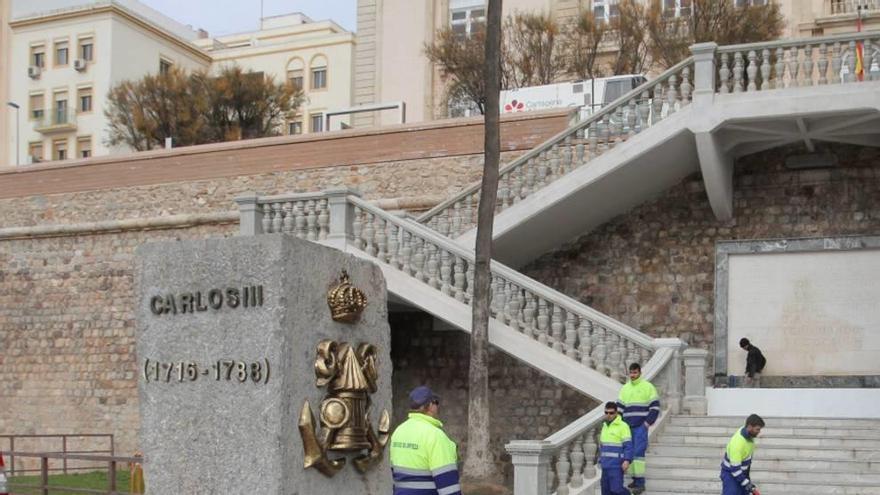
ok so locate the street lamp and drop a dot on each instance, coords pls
(17, 131)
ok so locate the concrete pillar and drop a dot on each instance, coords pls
(704, 73)
(341, 216)
(251, 219)
(695, 402)
(673, 373)
(531, 464)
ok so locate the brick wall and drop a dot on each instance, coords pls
(653, 267)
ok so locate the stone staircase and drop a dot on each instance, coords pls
(794, 456)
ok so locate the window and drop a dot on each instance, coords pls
(86, 49)
(295, 72)
(319, 78)
(294, 128)
(35, 151)
(60, 116)
(84, 95)
(467, 17)
(59, 149)
(316, 122)
(677, 8)
(37, 105)
(84, 147)
(164, 66)
(61, 53)
(38, 56)
(605, 10)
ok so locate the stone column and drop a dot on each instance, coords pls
(531, 464)
(704, 72)
(695, 402)
(673, 372)
(341, 216)
(251, 219)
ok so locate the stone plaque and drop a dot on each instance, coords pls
(227, 331)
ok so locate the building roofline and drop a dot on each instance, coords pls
(111, 7)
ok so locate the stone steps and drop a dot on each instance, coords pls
(794, 456)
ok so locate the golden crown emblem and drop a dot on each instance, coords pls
(346, 301)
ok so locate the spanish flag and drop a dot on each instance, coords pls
(860, 64)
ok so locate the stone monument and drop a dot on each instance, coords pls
(264, 368)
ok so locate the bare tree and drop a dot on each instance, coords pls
(720, 21)
(479, 463)
(580, 48)
(628, 29)
(462, 63)
(532, 48)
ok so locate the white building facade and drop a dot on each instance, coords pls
(66, 57)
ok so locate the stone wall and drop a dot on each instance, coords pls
(653, 267)
(525, 403)
(67, 359)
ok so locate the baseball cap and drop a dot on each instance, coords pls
(420, 396)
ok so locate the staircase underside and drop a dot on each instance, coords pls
(704, 137)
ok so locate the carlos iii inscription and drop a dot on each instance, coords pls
(214, 299)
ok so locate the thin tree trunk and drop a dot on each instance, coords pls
(480, 463)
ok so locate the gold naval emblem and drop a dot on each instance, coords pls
(350, 376)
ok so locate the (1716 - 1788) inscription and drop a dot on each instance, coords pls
(250, 296)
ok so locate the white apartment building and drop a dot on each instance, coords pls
(65, 55)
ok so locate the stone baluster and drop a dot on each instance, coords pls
(765, 70)
(671, 94)
(381, 239)
(579, 152)
(631, 117)
(585, 339)
(571, 335)
(543, 321)
(551, 476)
(323, 219)
(266, 220)
(519, 305)
(644, 110)
(287, 217)
(418, 258)
(299, 219)
(311, 221)
(835, 63)
(590, 450)
(510, 309)
(370, 234)
(752, 70)
(851, 63)
(433, 265)
(529, 316)
(779, 83)
(557, 326)
(540, 171)
(869, 60)
(632, 353)
(555, 161)
(609, 131)
(644, 354)
(808, 65)
(618, 121)
(613, 360)
(793, 66)
(496, 301)
(822, 64)
(657, 104)
(599, 349)
(577, 462)
(624, 358)
(276, 217)
(406, 252)
(502, 202)
(724, 75)
(737, 72)
(470, 210)
(531, 177)
(562, 470)
(455, 220)
(459, 280)
(357, 228)
(593, 136)
(686, 86)
(393, 245)
(445, 273)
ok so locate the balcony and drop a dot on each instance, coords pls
(56, 120)
(843, 7)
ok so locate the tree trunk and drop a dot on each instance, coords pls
(479, 464)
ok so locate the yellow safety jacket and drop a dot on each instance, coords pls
(424, 461)
(639, 403)
(615, 444)
(737, 460)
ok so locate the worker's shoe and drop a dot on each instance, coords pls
(636, 490)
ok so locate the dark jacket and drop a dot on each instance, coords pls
(755, 361)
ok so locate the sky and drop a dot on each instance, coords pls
(220, 17)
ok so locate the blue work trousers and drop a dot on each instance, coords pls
(729, 485)
(612, 482)
(640, 447)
